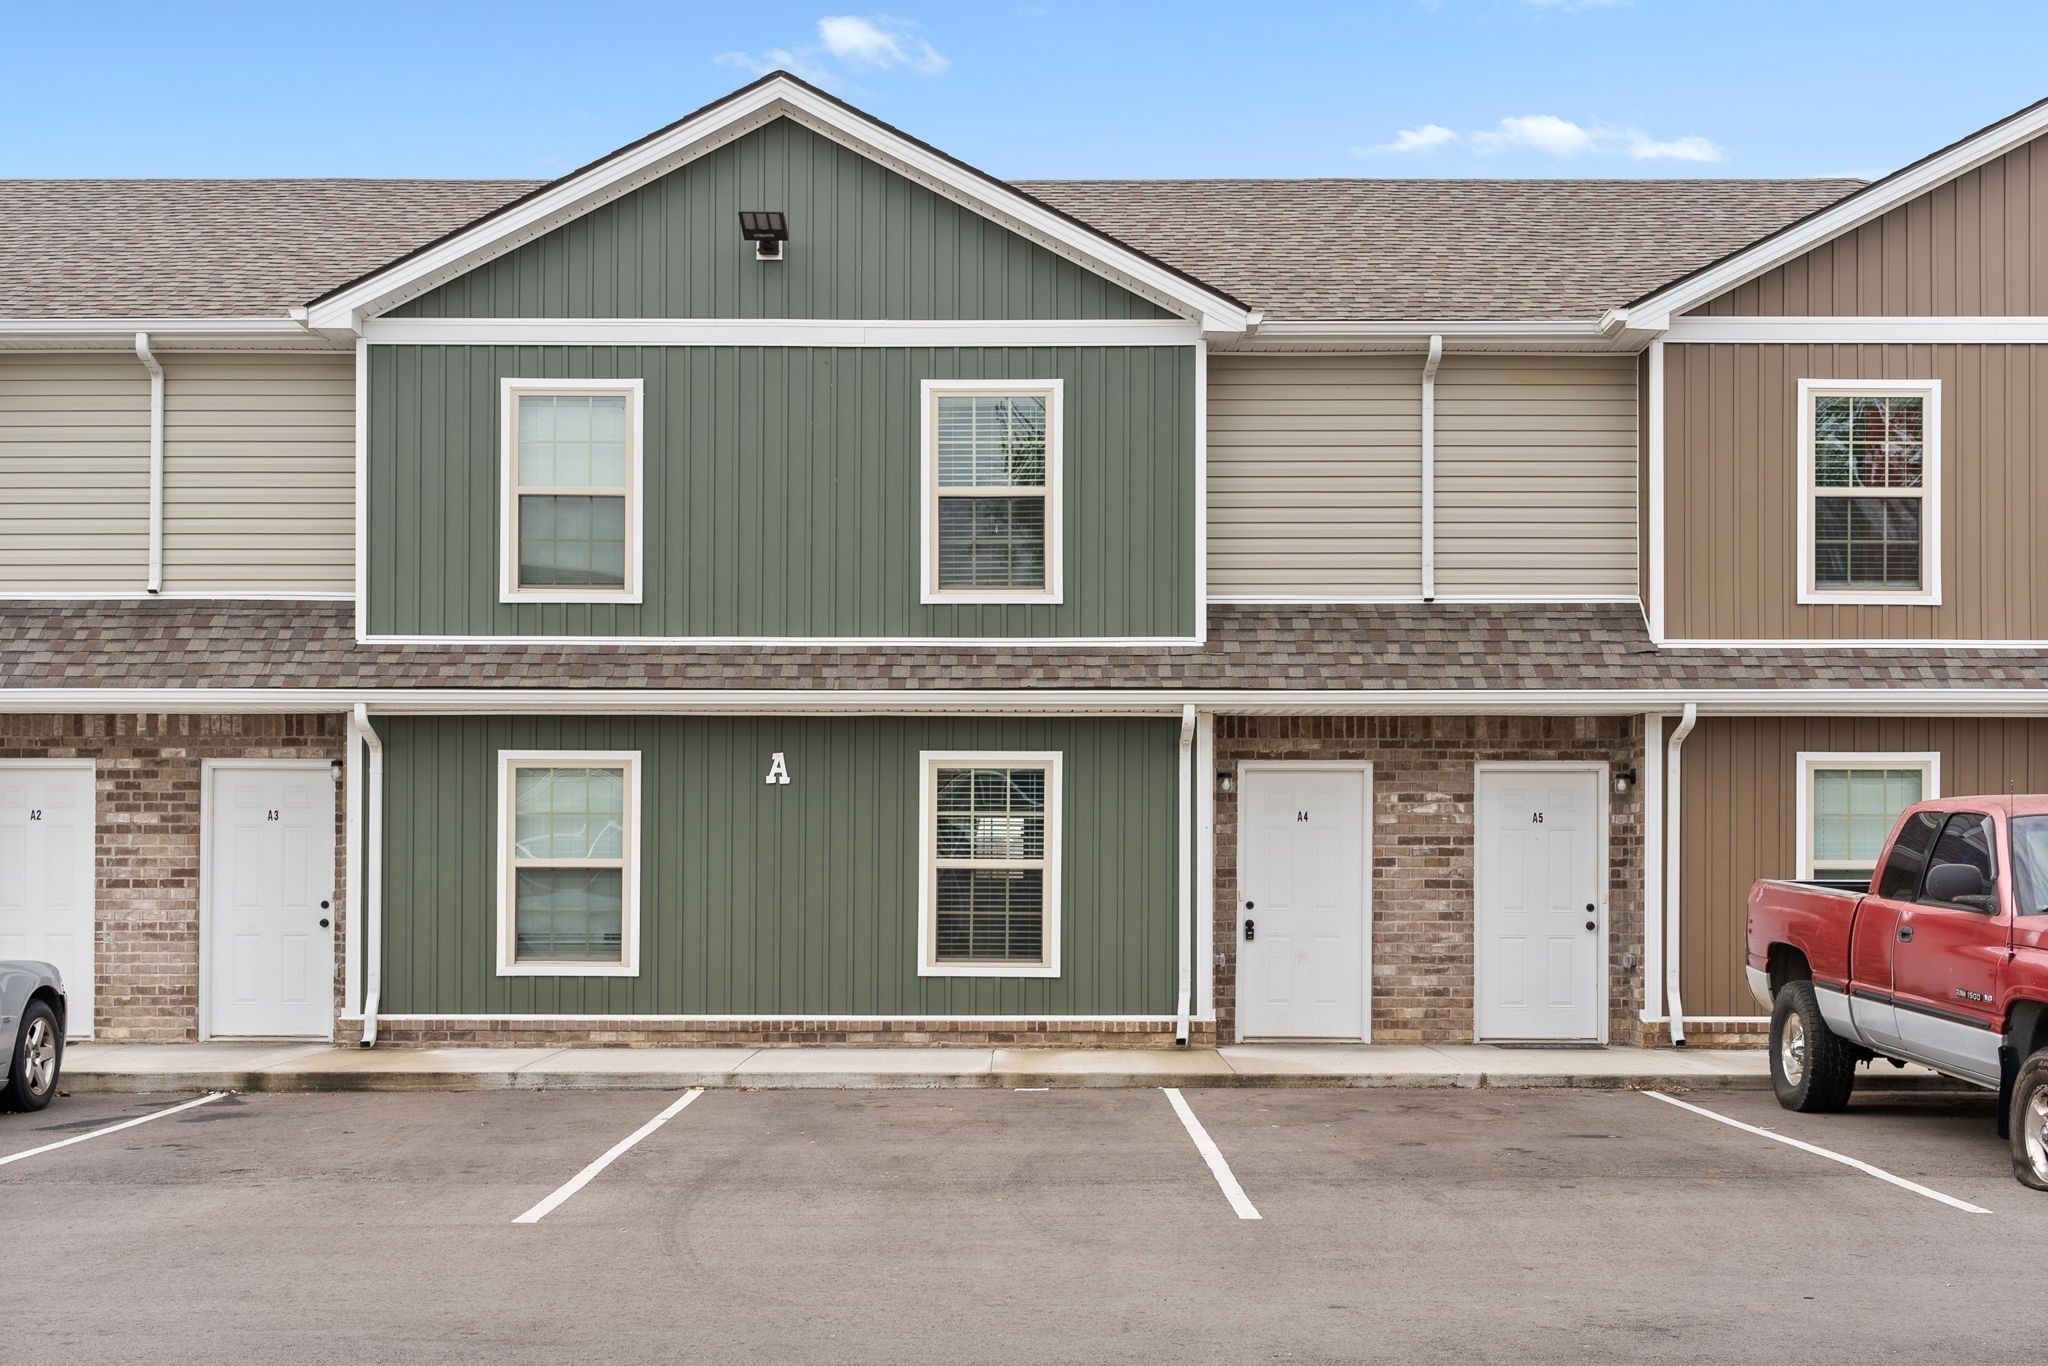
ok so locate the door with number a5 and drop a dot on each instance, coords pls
(1539, 878)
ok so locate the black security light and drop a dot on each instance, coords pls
(767, 229)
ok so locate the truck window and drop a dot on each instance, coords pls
(1909, 854)
(2030, 864)
(1965, 840)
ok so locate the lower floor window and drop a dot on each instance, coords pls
(1849, 803)
(568, 896)
(991, 865)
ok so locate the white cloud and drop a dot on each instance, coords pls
(1551, 136)
(1425, 138)
(846, 43)
(1577, 4)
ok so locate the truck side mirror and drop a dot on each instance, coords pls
(1958, 882)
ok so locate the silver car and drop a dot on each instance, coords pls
(32, 1032)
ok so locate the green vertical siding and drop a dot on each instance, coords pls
(760, 900)
(782, 491)
(864, 243)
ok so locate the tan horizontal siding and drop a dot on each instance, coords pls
(74, 473)
(1732, 485)
(1315, 475)
(1975, 246)
(259, 493)
(1536, 475)
(1739, 815)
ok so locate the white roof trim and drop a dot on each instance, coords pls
(775, 97)
(1656, 311)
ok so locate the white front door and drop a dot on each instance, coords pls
(269, 901)
(1302, 912)
(1539, 875)
(46, 874)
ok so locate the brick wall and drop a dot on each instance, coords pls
(1423, 780)
(146, 940)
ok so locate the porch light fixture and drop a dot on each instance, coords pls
(1624, 781)
(1223, 781)
(767, 229)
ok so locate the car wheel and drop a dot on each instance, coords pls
(38, 1059)
(2029, 1126)
(1812, 1069)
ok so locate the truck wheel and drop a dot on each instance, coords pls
(1812, 1069)
(2029, 1125)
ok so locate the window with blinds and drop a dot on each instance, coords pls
(1850, 803)
(992, 492)
(991, 864)
(568, 900)
(1870, 512)
(571, 491)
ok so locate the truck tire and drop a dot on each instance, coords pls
(1812, 1067)
(2029, 1122)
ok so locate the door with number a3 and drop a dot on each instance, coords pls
(1539, 873)
(1303, 909)
(269, 901)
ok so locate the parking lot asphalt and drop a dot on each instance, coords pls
(1055, 1226)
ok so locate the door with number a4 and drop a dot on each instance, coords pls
(268, 900)
(1304, 903)
(1539, 875)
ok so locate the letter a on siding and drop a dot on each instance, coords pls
(778, 771)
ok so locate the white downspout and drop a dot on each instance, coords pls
(370, 885)
(1436, 355)
(1653, 868)
(1673, 896)
(1185, 892)
(156, 463)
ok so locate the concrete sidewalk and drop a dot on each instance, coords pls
(90, 1067)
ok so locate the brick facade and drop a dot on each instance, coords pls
(148, 782)
(1422, 821)
(595, 1031)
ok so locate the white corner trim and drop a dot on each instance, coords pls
(1202, 490)
(930, 391)
(1806, 761)
(929, 762)
(509, 392)
(728, 119)
(1656, 310)
(1654, 590)
(362, 486)
(508, 964)
(1853, 331)
(791, 332)
(1929, 593)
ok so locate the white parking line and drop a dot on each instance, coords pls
(1212, 1155)
(584, 1177)
(114, 1128)
(1864, 1167)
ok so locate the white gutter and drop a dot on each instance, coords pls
(1673, 893)
(1436, 356)
(155, 583)
(368, 883)
(1184, 939)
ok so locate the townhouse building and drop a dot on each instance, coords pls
(779, 583)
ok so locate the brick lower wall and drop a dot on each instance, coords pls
(595, 1031)
(1422, 822)
(148, 780)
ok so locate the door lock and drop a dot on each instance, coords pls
(1250, 930)
(325, 904)
(1591, 924)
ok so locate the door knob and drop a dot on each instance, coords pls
(1592, 925)
(1250, 930)
(323, 922)
(1905, 934)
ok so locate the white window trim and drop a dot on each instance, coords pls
(929, 763)
(928, 488)
(1927, 761)
(509, 390)
(629, 918)
(1927, 390)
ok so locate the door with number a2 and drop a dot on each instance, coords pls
(269, 901)
(1303, 912)
(1539, 873)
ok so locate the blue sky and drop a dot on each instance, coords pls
(1045, 89)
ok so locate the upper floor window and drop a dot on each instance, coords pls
(1848, 804)
(570, 474)
(1870, 509)
(991, 491)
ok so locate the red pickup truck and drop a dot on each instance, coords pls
(1942, 960)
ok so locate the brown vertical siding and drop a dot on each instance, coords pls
(1739, 814)
(1731, 426)
(1964, 249)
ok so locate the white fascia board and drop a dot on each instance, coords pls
(1786, 701)
(778, 332)
(730, 119)
(1853, 331)
(1416, 333)
(1845, 216)
(73, 334)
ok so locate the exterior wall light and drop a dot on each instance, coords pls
(768, 230)
(1624, 781)
(1223, 781)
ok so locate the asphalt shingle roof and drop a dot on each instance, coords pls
(1425, 250)
(1304, 650)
